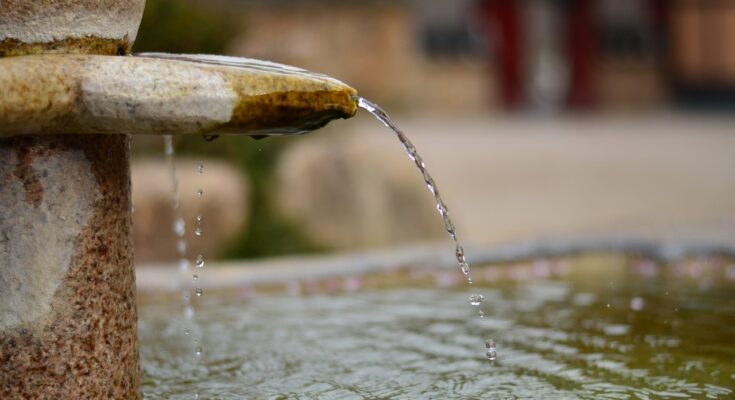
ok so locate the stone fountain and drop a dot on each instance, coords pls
(71, 98)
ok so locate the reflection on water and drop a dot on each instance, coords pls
(620, 335)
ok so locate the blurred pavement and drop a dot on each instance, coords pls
(505, 179)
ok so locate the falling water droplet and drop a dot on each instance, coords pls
(200, 218)
(198, 231)
(490, 351)
(200, 168)
(187, 332)
(196, 277)
(181, 247)
(179, 227)
(200, 261)
(168, 142)
(200, 192)
(199, 351)
(476, 299)
(199, 292)
(481, 313)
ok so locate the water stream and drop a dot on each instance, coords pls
(191, 328)
(441, 207)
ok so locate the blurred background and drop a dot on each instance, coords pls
(539, 119)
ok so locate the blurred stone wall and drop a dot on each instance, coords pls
(224, 207)
(346, 193)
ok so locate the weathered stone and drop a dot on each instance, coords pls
(84, 94)
(347, 194)
(67, 301)
(223, 206)
(68, 26)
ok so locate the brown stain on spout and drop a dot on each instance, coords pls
(28, 177)
(287, 103)
(85, 45)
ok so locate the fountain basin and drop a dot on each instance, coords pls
(163, 94)
(395, 324)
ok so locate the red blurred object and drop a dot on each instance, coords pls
(580, 40)
(504, 16)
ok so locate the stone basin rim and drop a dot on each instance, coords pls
(161, 93)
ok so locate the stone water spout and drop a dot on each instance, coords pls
(70, 97)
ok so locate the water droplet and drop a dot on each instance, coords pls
(196, 277)
(187, 332)
(168, 142)
(181, 247)
(199, 292)
(490, 351)
(200, 168)
(199, 351)
(200, 261)
(637, 303)
(200, 218)
(179, 227)
(476, 299)
(200, 192)
(465, 268)
(607, 305)
(198, 231)
(481, 313)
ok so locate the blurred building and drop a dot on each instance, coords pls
(533, 54)
(612, 53)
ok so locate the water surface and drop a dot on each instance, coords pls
(621, 335)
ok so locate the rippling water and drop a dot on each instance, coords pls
(615, 336)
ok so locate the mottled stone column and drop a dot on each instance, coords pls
(68, 321)
(67, 284)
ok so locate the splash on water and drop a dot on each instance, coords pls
(476, 299)
(490, 352)
(464, 267)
